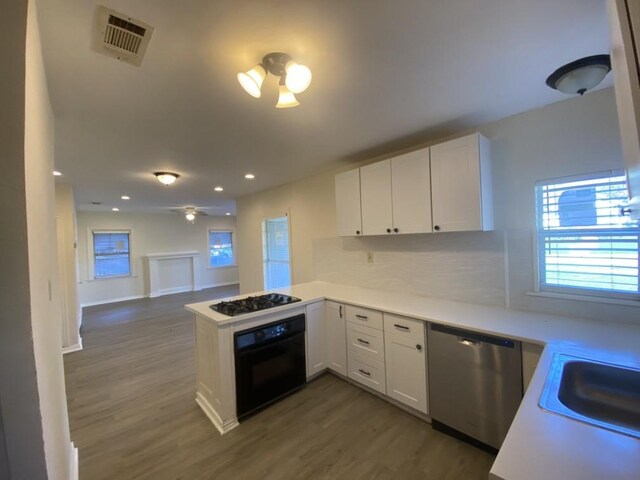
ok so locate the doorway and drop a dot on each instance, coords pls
(276, 259)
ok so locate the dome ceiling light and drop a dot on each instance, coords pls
(166, 178)
(294, 78)
(582, 75)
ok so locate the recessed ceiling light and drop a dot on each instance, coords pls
(115, 209)
(228, 213)
(218, 189)
(125, 197)
(166, 178)
(56, 173)
(250, 176)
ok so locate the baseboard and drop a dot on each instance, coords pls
(74, 464)
(73, 348)
(112, 300)
(220, 284)
(222, 426)
(170, 291)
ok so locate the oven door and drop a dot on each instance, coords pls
(270, 363)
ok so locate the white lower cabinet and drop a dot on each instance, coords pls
(367, 371)
(406, 361)
(336, 338)
(316, 338)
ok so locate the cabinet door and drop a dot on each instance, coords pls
(406, 365)
(316, 338)
(375, 183)
(411, 192)
(625, 25)
(348, 213)
(461, 185)
(336, 338)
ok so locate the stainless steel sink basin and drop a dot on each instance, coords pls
(598, 393)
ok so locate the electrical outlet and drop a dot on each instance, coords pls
(369, 257)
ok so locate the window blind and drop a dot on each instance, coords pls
(275, 253)
(585, 245)
(221, 248)
(111, 254)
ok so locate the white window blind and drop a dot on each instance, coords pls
(275, 253)
(585, 245)
(221, 248)
(111, 254)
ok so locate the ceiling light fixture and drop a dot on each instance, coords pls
(56, 173)
(166, 178)
(218, 189)
(190, 216)
(249, 176)
(294, 78)
(228, 213)
(582, 75)
(115, 209)
(125, 197)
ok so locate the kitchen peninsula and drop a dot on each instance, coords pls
(539, 444)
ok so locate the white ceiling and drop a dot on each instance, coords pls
(386, 74)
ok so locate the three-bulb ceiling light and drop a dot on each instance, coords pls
(294, 78)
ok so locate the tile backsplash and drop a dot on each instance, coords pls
(467, 267)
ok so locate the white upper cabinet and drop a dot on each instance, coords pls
(625, 27)
(396, 196)
(375, 184)
(461, 195)
(348, 214)
(411, 192)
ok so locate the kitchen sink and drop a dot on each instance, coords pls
(598, 393)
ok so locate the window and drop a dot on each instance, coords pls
(585, 246)
(111, 255)
(221, 248)
(275, 253)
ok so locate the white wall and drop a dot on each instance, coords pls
(43, 267)
(68, 272)
(150, 233)
(22, 455)
(578, 135)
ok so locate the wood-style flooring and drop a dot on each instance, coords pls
(133, 415)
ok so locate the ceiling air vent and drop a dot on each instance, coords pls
(121, 37)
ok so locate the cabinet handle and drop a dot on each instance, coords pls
(362, 317)
(396, 230)
(357, 232)
(362, 341)
(401, 327)
(364, 372)
(418, 347)
(340, 311)
(388, 230)
(436, 227)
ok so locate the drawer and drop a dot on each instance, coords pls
(406, 327)
(365, 341)
(367, 371)
(364, 316)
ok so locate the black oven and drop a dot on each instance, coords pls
(270, 363)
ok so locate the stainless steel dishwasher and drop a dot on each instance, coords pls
(475, 382)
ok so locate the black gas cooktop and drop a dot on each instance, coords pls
(253, 304)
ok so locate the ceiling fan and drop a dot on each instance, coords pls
(190, 213)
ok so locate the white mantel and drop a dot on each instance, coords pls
(154, 265)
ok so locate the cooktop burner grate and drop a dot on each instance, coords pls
(253, 304)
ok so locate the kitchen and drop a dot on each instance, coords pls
(495, 269)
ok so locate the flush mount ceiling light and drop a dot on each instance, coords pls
(294, 78)
(249, 176)
(218, 189)
(581, 75)
(56, 173)
(166, 178)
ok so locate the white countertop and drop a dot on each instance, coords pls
(539, 445)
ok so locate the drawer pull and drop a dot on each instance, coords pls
(362, 317)
(364, 372)
(401, 327)
(363, 341)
